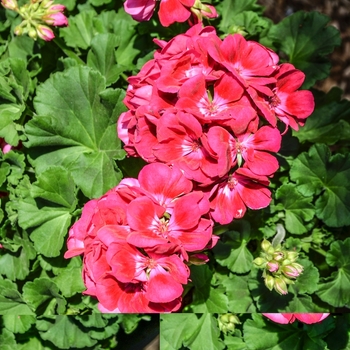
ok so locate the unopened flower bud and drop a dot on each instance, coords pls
(278, 256)
(227, 322)
(56, 19)
(18, 30)
(292, 256)
(280, 286)
(260, 262)
(198, 259)
(45, 33)
(32, 33)
(272, 266)
(269, 282)
(265, 245)
(290, 271)
(10, 4)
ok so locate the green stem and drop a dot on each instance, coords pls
(319, 250)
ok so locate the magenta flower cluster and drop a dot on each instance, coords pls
(210, 107)
(136, 240)
(204, 114)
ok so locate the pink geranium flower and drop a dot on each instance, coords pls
(140, 10)
(285, 318)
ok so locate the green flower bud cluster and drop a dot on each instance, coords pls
(280, 266)
(37, 15)
(227, 323)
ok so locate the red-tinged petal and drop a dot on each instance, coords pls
(124, 260)
(113, 233)
(162, 288)
(289, 79)
(146, 239)
(143, 214)
(186, 212)
(140, 10)
(163, 183)
(262, 163)
(311, 317)
(255, 196)
(280, 318)
(226, 204)
(223, 144)
(171, 11)
(267, 139)
(300, 104)
(197, 238)
(175, 266)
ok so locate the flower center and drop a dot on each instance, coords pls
(232, 182)
(274, 101)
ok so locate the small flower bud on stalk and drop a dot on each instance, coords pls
(45, 33)
(280, 286)
(265, 245)
(269, 282)
(10, 4)
(272, 266)
(227, 323)
(261, 262)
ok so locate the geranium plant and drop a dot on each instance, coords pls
(169, 156)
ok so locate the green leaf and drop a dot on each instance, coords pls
(101, 57)
(4, 170)
(205, 297)
(266, 300)
(64, 333)
(327, 124)
(303, 304)
(317, 171)
(335, 291)
(263, 334)
(233, 253)
(308, 280)
(230, 9)
(239, 299)
(70, 281)
(77, 129)
(8, 130)
(21, 47)
(208, 334)
(298, 209)
(130, 322)
(176, 329)
(81, 29)
(18, 323)
(7, 340)
(252, 22)
(97, 3)
(32, 342)
(307, 40)
(109, 330)
(16, 265)
(11, 301)
(189, 330)
(47, 208)
(40, 293)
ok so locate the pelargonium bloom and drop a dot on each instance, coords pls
(285, 318)
(136, 240)
(201, 105)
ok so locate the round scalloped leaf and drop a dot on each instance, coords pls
(319, 173)
(76, 128)
(307, 40)
(335, 290)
